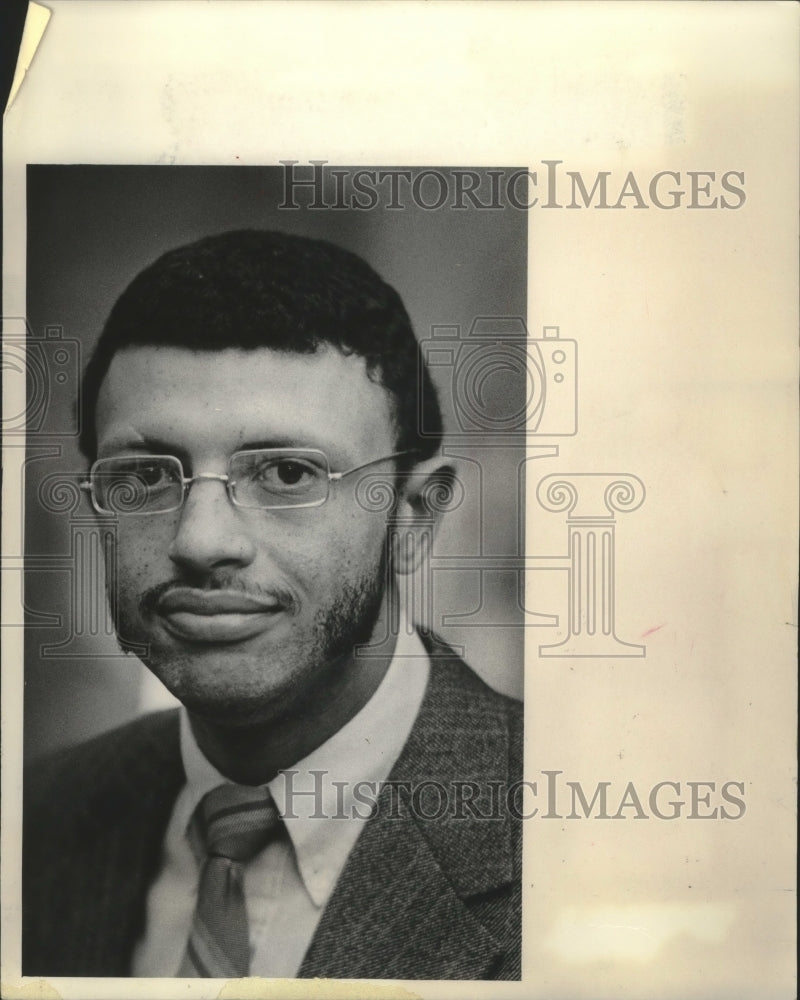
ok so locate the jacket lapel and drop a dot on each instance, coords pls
(401, 909)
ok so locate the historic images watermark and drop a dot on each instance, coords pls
(317, 185)
(317, 795)
(549, 366)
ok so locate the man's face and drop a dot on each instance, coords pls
(245, 610)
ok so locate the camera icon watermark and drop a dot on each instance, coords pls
(45, 400)
(496, 379)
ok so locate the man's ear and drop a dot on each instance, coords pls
(430, 489)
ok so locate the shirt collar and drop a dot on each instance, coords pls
(324, 799)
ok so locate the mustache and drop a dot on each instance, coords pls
(149, 601)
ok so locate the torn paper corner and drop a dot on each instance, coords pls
(36, 20)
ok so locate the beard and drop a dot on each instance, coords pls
(351, 619)
(254, 682)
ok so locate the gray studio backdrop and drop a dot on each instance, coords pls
(90, 230)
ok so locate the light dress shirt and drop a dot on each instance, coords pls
(288, 884)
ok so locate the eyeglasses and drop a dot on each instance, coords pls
(262, 479)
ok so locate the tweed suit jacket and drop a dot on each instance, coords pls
(419, 898)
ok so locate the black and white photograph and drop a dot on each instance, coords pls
(400, 501)
(265, 473)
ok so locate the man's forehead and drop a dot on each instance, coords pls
(237, 393)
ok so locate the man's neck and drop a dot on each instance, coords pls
(253, 755)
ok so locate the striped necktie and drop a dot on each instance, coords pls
(229, 827)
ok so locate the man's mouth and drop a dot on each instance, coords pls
(210, 616)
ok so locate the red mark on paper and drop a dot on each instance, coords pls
(650, 631)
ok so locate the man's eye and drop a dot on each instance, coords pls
(151, 475)
(286, 473)
(141, 476)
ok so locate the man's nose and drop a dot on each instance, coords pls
(211, 532)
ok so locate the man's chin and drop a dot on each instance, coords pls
(232, 690)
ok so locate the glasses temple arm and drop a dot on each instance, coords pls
(335, 476)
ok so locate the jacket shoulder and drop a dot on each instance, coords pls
(465, 701)
(113, 763)
(93, 822)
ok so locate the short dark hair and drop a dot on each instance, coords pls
(256, 288)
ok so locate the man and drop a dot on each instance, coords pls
(329, 801)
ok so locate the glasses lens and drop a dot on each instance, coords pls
(139, 484)
(279, 477)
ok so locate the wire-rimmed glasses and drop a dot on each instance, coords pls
(261, 479)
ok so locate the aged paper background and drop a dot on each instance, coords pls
(686, 322)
